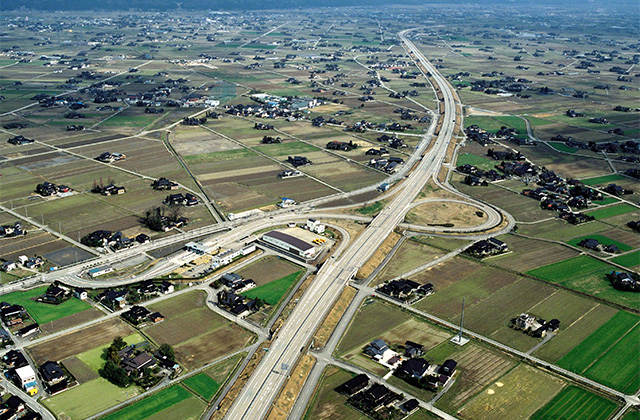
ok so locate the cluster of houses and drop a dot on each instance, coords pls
(14, 408)
(288, 173)
(476, 176)
(230, 299)
(17, 319)
(629, 146)
(375, 400)
(487, 248)
(31, 263)
(179, 199)
(140, 316)
(116, 299)
(410, 365)
(535, 327)
(594, 245)
(406, 290)
(625, 281)
(20, 371)
(19, 140)
(388, 165)
(107, 239)
(10, 231)
(108, 157)
(297, 161)
(47, 189)
(55, 294)
(392, 141)
(340, 145)
(108, 190)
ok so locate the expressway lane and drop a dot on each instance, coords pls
(255, 399)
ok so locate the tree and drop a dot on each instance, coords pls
(115, 374)
(167, 351)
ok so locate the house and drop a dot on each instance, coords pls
(315, 226)
(412, 349)
(412, 368)
(410, 406)
(51, 373)
(15, 403)
(137, 314)
(15, 359)
(354, 385)
(136, 365)
(376, 348)
(8, 266)
(175, 199)
(8, 312)
(164, 184)
(376, 397)
(191, 200)
(80, 293)
(165, 287)
(26, 379)
(28, 330)
(142, 238)
(488, 247)
(156, 317)
(115, 299)
(229, 279)
(448, 367)
(166, 363)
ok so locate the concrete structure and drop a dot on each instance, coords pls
(242, 215)
(290, 244)
(196, 247)
(315, 226)
(27, 378)
(99, 271)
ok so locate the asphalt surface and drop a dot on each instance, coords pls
(256, 398)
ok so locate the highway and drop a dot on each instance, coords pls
(255, 399)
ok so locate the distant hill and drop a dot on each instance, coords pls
(169, 5)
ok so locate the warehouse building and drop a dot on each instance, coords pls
(290, 244)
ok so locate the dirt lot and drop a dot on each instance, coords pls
(173, 331)
(71, 320)
(209, 346)
(178, 305)
(80, 341)
(268, 269)
(529, 254)
(79, 370)
(480, 368)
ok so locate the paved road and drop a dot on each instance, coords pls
(28, 400)
(262, 388)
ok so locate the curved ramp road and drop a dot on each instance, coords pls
(260, 391)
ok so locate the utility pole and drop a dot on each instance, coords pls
(458, 339)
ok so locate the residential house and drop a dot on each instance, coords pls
(354, 385)
(413, 368)
(412, 349)
(135, 365)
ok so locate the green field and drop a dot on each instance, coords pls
(477, 161)
(612, 211)
(605, 200)
(274, 291)
(151, 405)
(93, 358)
(326, 403)
(44, 312)
(203, 385)
(562, 147)
(632, 414)
(574, 403)
(609, 355)
(493, 124)
(371, 209)
(580, 266)
(73, 403)
(628, 260)
(603, 240)
(605, 179)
